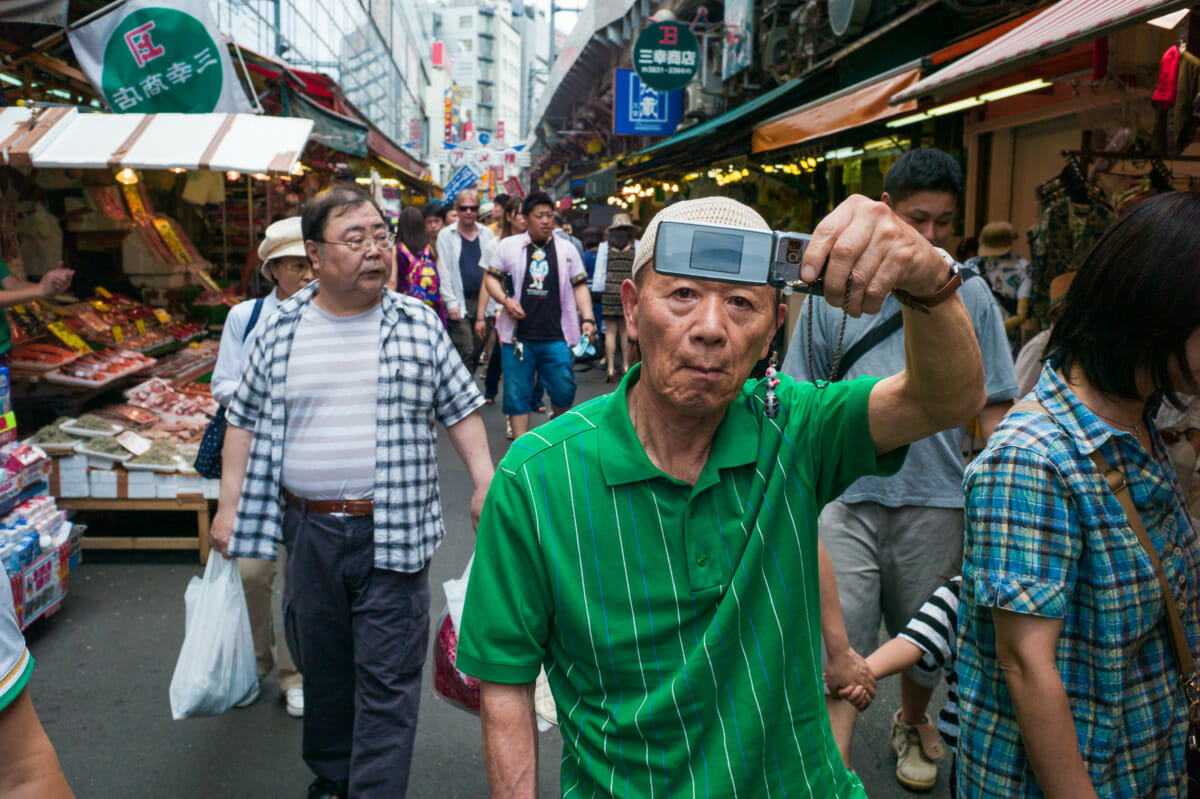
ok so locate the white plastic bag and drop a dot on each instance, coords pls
(216, 666)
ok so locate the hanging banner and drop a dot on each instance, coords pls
(160, 56)
(639, 110)
(739, 37)
(462, 180)
(330, 129)
(513, 188)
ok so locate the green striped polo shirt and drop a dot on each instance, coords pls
(679, 625)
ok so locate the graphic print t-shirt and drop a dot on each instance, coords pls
(539, 296)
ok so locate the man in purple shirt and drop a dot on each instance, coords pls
(541, 320)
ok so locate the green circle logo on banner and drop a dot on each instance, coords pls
(666, 56)
(160, 60)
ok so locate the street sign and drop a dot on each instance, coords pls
(462, 180)
(639, 110)
(666, 56)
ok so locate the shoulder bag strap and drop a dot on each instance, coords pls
(1117, 484)
(876, 336)
(258, 304)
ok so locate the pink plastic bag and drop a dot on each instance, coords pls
(458, 689)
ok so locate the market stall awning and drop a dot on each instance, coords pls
(64, 137)
(856, 105)
(1057, 29)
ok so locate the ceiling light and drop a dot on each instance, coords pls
(908, 120)
(1011, 91)
(127, 177)
(233, 174)
(958, 105)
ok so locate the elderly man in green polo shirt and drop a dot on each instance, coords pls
(655, 549)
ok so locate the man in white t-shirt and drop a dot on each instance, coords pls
(331, 450)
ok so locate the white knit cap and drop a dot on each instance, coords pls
(709, 210)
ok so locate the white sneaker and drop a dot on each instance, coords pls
(251, 696)
(294, 697)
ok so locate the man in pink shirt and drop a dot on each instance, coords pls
(541, 319)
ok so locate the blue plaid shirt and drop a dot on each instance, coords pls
(421, 380)
(1045, 536)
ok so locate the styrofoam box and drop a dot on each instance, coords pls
(103, 484)
(212, 489)
(72, 468)
(142, 485)
(70, 489)
(167, 486)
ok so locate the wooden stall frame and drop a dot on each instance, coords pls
(184, 502)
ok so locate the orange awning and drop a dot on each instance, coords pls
(860, 104)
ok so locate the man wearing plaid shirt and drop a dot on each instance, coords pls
(331, 450)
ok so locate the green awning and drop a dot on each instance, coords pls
(750, 111)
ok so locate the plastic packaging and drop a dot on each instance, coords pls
(216, 666)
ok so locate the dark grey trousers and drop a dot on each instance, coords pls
(359, 636)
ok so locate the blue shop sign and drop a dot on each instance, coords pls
(642, 111)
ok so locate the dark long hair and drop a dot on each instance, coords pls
(1135, 300)
(411, 230)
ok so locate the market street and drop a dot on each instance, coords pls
(105, 661)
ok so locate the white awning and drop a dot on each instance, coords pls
(1057, 29)
(65, 137)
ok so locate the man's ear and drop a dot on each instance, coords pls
(312, 250)
(780, 318)
(886, 199)
(630, 296)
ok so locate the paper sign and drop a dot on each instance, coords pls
(207, 280)
(133, 442)
(140, 324)
(118, 334)
(162, 316)
(64, 335)
(103, 292)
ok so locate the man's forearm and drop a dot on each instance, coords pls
(990, 416)
(21, 294)
(943, 369)
(493, 286)
(583, 301)
(469, 438)
(833, 625)
(234, 457)
(510, 747)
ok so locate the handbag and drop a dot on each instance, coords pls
(208, 456)
(1188, 678)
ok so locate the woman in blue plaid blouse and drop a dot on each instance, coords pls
(1068, 682)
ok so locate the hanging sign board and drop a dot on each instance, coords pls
(639, 110)
(666, 56)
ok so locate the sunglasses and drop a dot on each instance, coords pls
(463, 208)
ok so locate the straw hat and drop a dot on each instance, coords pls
(708, 210)
(283, 238)
(996, 238)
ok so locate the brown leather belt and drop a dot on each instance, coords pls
(349, 507)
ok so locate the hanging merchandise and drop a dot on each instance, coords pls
(1075, 214)
(41, 238)
(204, 188)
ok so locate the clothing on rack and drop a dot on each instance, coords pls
(1066, 230)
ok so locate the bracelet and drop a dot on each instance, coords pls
(590, 321)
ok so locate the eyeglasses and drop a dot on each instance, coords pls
(462, 209)
(298, 268)
(363, 243)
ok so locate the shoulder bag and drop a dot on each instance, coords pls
(208, 457)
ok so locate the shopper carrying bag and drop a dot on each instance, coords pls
(208, 457)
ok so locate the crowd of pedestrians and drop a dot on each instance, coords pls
(698, 562)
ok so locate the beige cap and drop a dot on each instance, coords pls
(283, 238)
(621, 220)
(707, 210)
(996, 238)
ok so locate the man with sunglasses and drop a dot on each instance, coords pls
(459, 249)
(331, 452)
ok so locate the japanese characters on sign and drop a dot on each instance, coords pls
(666, 56)
(639, 110)
(154, 56)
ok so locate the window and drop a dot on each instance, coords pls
(466, 23)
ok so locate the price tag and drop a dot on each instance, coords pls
(99, 306)
(162, 316)
(133, 442)
(19, 308)
(140, 324)
(118, 334)
(207, 280)
(103, 292)
(63, 334)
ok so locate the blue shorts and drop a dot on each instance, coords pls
(551, 361)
